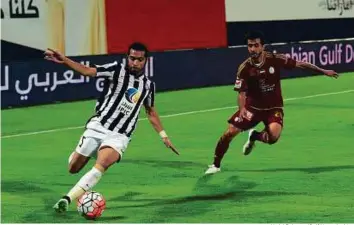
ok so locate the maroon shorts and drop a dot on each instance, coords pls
(256, 116)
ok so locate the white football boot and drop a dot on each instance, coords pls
(212, 169)
(250, 144)
(61, 206)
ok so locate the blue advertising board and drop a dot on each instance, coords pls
(42, 82)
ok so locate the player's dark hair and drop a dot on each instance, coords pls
(139, 47)
(252, 35)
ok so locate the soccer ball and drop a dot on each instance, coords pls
(91, 205)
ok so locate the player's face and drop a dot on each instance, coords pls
(136, 61)
(255, 48)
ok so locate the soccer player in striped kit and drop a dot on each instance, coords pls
(108, 131)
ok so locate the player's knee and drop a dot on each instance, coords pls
(107, 162)
(230, 134)
(107, 156)
(272, 139)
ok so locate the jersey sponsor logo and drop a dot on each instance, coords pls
(132, 95)
(271, 70)
(248, 116)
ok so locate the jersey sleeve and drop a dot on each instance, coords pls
(285, 62)
(241, 79)
(149, 101)
(106, 70)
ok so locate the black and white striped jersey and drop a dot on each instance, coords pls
(123, 94)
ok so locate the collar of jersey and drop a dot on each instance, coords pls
(262, 63)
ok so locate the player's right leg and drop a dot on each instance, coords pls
(236, 126)
(110, 152)
(106, 157)
(87, 146)
(222, 147)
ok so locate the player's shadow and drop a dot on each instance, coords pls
(46, 213)
(204, 196)
(311, 170)
(232, 189)
(163, 163)
(37, 214)
(21, 187)
(111, 218)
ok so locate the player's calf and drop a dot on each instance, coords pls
(254, 136)
(222, 147)
(264, 136)
(107, 156)
(272, 139)
(77, 162)
(224, 143)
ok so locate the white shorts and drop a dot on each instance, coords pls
(96, 136)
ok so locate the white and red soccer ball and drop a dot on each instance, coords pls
(91, 205)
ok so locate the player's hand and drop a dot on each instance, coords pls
(53, 55)
(169, 144)
(243, 114)
(331, 73)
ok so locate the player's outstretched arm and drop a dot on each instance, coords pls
(305, 65)
(57, 57)
(156, 123)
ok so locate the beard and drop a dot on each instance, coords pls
(255, 55)
(134, 71)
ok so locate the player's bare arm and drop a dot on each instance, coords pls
(241, 104)
(306, 65)
(156, 123)
(57, 57)
(241, 87)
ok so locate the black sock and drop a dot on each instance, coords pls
(67, 198)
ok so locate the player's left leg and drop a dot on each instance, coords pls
(87, 147)
(77, 161)
(270, 135)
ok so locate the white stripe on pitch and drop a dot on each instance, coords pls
(173, 115)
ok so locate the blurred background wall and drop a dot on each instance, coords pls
(195, 43)
(92, 27)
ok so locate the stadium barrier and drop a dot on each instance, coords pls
(41, 82)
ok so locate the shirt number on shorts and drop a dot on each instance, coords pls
(82, 141)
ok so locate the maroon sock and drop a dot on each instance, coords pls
(262, 136)
(220, 150)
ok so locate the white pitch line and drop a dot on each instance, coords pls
(173, 115)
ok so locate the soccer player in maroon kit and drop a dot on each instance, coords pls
(260, 98)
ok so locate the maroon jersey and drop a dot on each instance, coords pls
(261, 82)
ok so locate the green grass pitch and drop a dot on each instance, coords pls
(307, 177)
